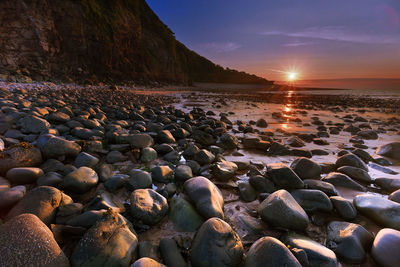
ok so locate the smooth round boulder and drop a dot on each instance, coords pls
(340, 179)
(204, 157)
(390, 150)
(109, 242)
(395, 196)
(356, 173)
(184, 215)
(147, 262)
(283, 176)
(312, 200)
(139, 179)
(183, 172)
(85, 160)
(56, 147)
(41, 201)
(385, 247)
(148, 206)
(351, 160)
(345, 208)
(224, 171)
(148, 154)
(271, 251)
(24, 175)
(216, 244)
(80, 180)
(206, 197)
(281, 210)
(306, 168)
(11, 196)
(22, 155)
(162, 174)
(26, 241)
(388, 184)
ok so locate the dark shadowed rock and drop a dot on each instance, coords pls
(80, 180)
(356, 173)
(306, 168)
(56, 147)
(344, 207)
(391, 150)
(24, 175)
(22, 155)
(216, 244)
(283, 176)
(312, 200)
(351, 160)
(340, 179)
(148, 206)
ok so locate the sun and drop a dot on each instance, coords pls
(291, 76)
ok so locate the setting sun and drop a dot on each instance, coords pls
(292, 76)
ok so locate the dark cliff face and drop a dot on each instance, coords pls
(120, 40)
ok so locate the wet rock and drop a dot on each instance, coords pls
(383, 248)
(379, 209)
(204, 157)
(147, 262)
(216, 244)
(4, 184)
(183, 173)
(58, 117)
(390, 150)
(395, 196)
(56, 147)
(24, 175)
(227, 141)
(27, 241)
(325, 187)
(295, 142)
(280, 209)
(224, 170)
(356, 173)
(351, 160)
(368, 134)
(116, 182)
(184, 215)
(344, 207)
(41, 201)
(149, 250)
(362, 154)
(50, 179)
(317, 254)
(349, 241)
(203, 138)
(80, 180)
(272, 251)
(148, 206)
(173, 157)
(85, 160)
(162, 174)
(382, 169)
(171, 254)
(114, 157)
(139, 179)
(283, 176)
(261, 184)
(33, 124)
(108, 243)
(206, 197)
(165, 136)
(19, 156)
(247, 192)
(388, 184)
(306, 168)
(339, 179)
(190, 151)
(140, 140)
(148, 154)
(261, 123)
(312, 200)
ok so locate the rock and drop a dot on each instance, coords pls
(295, 141)
(114, 157)
(58, 117)
(283, 176)
(171, 254)
(140, 140)
(368, 134)
(190, 151)
(388, 184)
(261, 184)
(306, 168)
(339, 179)
(203, 138)
(228, 142)
(271, 251)
(216, 244)
(280, 209)
(204, 157)
(312, 200)
(183, 173)
(162, 174)
(349, 241)
(379, 209)
(224, 170)
(41, 201)
(11, 196)
(86, 219)
(148, 154)
(85, 160)
(184, 215)
(261, 123)
(206, 197)
(385, 246)
(80, 180)
(116, 182)
(50, 179)
(390, 150)
(104, 171)
(173, 157)
(27, 241)
(22, 155)
(325, 187)
(382, 169)
(247, 192)
(395, 196)
(56, 147)
(356, 173)
(148, 206)
(165, 136)
(147, 262)
(344, 207)
(149, 250)
(109, 242)
(139, 179)
(317, 254)
(351, 160)
(24, 175)
(33, 124)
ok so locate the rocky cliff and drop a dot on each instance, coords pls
(99, 40)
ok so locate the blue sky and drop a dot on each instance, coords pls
(319, 39)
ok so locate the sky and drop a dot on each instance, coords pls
(318, 39)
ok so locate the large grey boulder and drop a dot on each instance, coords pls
(148, 206)
(385, 248)
(56, 147)
(391, 150)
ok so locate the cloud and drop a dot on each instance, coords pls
(297, 43)
(220, 47)
(338, 34)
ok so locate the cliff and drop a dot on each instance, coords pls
(99, 40)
